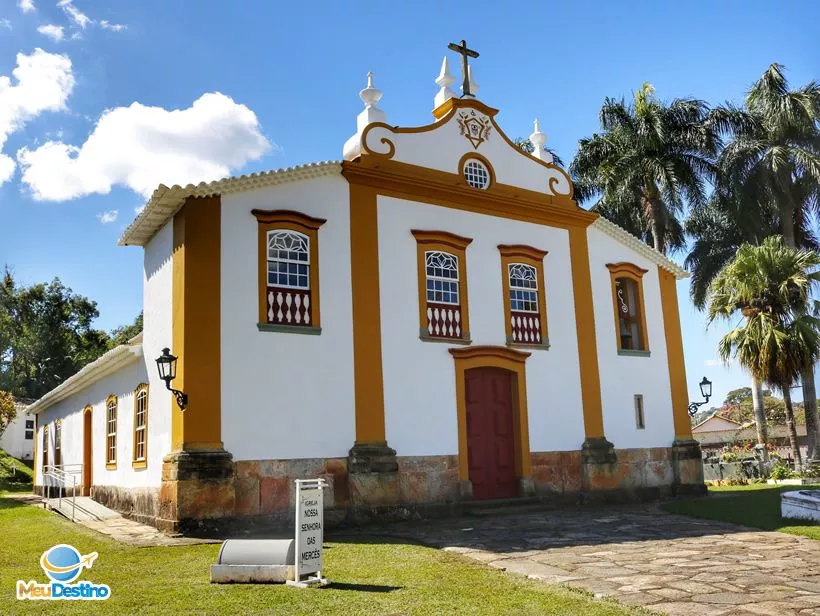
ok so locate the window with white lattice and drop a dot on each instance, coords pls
(288, 271)
(45, 446)
(442, 285)
(524, 298)
(58, 443)
(141, 426)
(111, 432)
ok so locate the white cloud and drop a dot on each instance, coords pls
(5, 23)
(108, 217)
(53, 32)
(107, 25)
(44, 82)
(74, 14)
(140, 147)
(26, 5)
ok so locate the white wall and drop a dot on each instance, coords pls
(419, 377)
(158, 333)
(624, 376)
(13, 441)
(122, 384)
(287, 395)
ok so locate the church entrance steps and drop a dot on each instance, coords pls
(504, 506)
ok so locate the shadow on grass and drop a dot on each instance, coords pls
(361, 587)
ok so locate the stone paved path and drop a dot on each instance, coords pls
(121, 529)
(641, 556)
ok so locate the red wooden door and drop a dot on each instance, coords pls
(490, 437)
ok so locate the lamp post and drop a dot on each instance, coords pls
(167, 366)
(706, 392)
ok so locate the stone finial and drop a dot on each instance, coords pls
(538, 139)
(444, 81)
(474, 87)
(370, 96)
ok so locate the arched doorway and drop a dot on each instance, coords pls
(88, 447)
(491, 393)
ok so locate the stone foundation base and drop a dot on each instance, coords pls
(140, 504)
(206, 493)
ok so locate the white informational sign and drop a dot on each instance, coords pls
(310, 522)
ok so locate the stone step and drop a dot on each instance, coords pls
(504, 506)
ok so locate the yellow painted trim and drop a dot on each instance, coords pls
(405, 181)
(112, 463)
(88, 466)
(44, 445)
(675, 356)
(36, 449)
(58, 451)
(635, 273)
(585, 331)
(110, 466)
(139, 464)
(270, 220)
(197, 324)
(452, 244)
(139, 389)
(367, 335)
(494, 357)
(518, 253)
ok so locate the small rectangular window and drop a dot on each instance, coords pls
(639, 418)
(29, 435)
(29, 424)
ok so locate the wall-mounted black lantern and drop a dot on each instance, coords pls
(167, 366)
(706, 392)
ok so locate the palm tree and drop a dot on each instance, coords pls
(770, 286)
(771, 167)
(649, 160)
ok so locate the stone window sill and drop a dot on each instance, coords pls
(111, 466)
(464, 341)
(630, 353)
(289, 329)
(139, 464)
(543, 346)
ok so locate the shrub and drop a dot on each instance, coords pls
(781, 471)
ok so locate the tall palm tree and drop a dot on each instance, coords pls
(770, 286)
(771, 166)
(648, 161)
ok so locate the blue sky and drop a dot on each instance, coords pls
(288, 77)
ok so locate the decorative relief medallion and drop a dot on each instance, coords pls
(474, 126)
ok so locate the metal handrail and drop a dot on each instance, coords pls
(62, 474)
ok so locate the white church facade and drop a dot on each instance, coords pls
(431, 320)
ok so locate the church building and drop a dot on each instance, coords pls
(431, 320)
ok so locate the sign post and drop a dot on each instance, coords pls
(310, 521)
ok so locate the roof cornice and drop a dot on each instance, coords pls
(642, 248)
(111, 361)
(165, 202)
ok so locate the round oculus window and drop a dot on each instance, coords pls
(476, 174)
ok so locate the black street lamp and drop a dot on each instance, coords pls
(706, 392)
(167, 366)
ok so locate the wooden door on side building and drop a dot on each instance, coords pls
(490, 436)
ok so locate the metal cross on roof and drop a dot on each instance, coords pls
(465, 53)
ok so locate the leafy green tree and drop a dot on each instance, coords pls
(770, 170)
(121, 335)
(8, 410)
(649, 160)
(770, 286)
(46, 335)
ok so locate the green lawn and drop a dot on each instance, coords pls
(15, 475)
(369, 577)
(756, 505)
